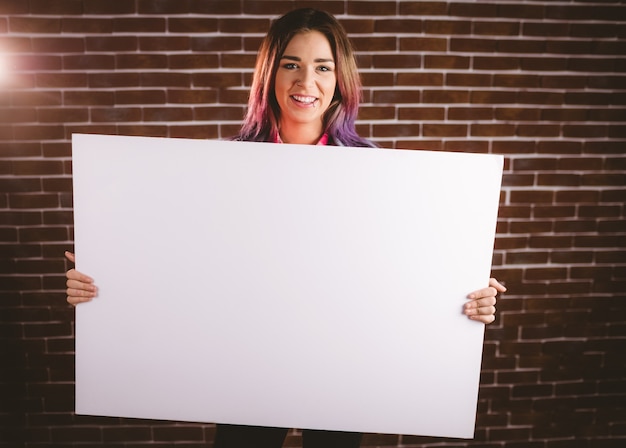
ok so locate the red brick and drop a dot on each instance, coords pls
(165, 80)
(585, 12)
(444, 130)
(470, 113)
(60, 80)
(86, 25)
(423, 8)
(577, 196)
(63, 115)
(446, 62)
(109, 7)
(57, 7)
(497, 28)
(89, 62)
(251, 25)
(88, 98)
(140, 97)
(178, 433)
(492, 97)
(540, 98)
(467, 79)
(593, 65)
(169, 43)
(108, 79)
(116, 114)
(218, 113)
(474, 146)
(473, 45)
(492, 130)
(445, 96)
(216, 7)
(378, 8)
(407, 79)
(391, 26)
(518, 180)
(217, 79)
(613, 195)
(232, 96)
(531, 227)
(419, 113)
(199, 131)
(163, 7)
(144, 61)
(143, 130)
(554, 211)
(40, 132)
(560, 147)
(604, 179)
(398, 96)
(495, 63)
(33, 25)
(139, 25)
(570, 180)
(578, 225)
(192, 97)
(447, 27)
(419, 44)
(387, 113)
(192, 25)
(395, 61)
(396, 130)
(13, 7)
(167, 114)
(58, 45)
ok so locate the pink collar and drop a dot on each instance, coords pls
(323, 141)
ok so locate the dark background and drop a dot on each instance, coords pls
(541, 82)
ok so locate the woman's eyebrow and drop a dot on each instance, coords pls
(297, 59)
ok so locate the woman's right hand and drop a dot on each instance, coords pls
(80, 287)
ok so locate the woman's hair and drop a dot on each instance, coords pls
(263, 114)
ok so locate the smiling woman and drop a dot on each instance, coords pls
(305, 90)
(305, 70)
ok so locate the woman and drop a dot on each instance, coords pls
(305, 90)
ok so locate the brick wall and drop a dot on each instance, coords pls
(542, 82)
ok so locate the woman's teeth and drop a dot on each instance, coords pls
(304, 99)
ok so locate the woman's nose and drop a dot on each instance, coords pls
(306, 78)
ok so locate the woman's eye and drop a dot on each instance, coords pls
(290, 66)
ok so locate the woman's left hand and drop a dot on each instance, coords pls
(481, 306)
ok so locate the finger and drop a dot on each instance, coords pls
(77, 289)
(76, 293)
(485, 319)
(496, 284)
(70, 256)
(484, 301)
(73, 274)
(485, 292)
(80, 286)
(476, 309)
(492, 290)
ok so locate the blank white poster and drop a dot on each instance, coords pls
(282, 285)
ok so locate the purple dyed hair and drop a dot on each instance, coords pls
(262, 117)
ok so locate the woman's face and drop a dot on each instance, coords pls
(305, 80)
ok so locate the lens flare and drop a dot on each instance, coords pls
(4, 68)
